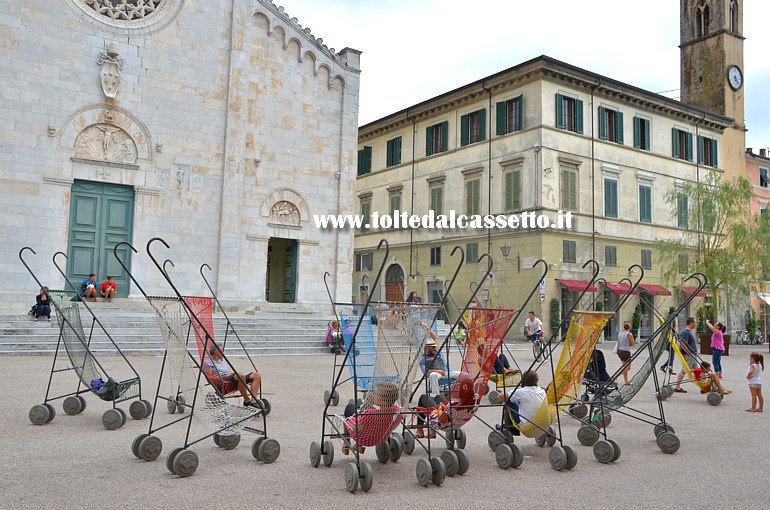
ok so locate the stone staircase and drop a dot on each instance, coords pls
(269, 331)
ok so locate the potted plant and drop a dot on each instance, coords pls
(555, 317)
(636, 320)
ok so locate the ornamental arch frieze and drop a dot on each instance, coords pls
(285, 207)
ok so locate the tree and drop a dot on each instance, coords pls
(719, 237)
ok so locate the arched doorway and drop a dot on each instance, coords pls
(394, 284)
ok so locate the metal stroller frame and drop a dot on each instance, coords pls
(182, 461)
(605, 398)
(74, 403)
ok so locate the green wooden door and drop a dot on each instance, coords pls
(101, 215)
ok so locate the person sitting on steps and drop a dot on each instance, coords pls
(88, 288)
(108, 288)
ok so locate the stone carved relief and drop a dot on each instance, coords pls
(181, 177)
(162, 178)
(103, 142)
(112, 65)
(124, 10)
(285, 212)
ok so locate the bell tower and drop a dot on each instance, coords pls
(712, 76)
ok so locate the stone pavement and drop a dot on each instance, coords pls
(75, 463)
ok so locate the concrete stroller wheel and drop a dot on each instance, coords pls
(571, 457)
(382, 450)
(439, 471)
(229, 442)
(493, 397)
(315, 454)
(328, 453)
(327, 397)
(668, 442)
(558, 458)
(451, 462)
(449, 438)
(137, 410)
(714, 398)
(135, 445)
(150, 448)
(495, 439)
(409, 442)
(266, 407)
(148, 407)
(424, 472)
(255, 447)
(587, 435)
(550, 438)
(668, 390)
(616, 447)
(662, 395)
(51, 413)
(541, 439)
(462, 462)
(185, 463)
(518, 455)
(579, 411)
(504, 456)
(170, 459)
(396, 446)
(604, 451)
(112, 419)
(171, 405)
(601, 420)
(269, 451)
(122, 416)
(216, 438)
(661, 428)
(351, 477)
(82, 403)
(180, 404)
(71, 406)
(367, 477)
(460, 438)
(335, 397)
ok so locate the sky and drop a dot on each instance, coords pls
(414, 50)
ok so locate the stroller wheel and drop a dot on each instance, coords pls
(714, 398)
(571, 457)
(460, 438)
(135, 445)
(150, 448)
(185, 463)
(382, 450)
(335, 397)
(171, 457)
(315, 454)
(495, 439)
(439, 471)
(269, 450)
(668, 442)
(171, 405)
(137, 410)
(493, 397)
(229, 442)
(409, 442)
(587, 435)
(71, 406)
(451, 462)
(558, 458)
(504, 456)
(616, 447)
(328, 453)
(351, 477)
(396, 445)
(367, 477)
(661, 428)
(604, 451)
(147, 405)
(424, 472)
(52, 412)
(463, 463)
(112, 419)
(550, 439)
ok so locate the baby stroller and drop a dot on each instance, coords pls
(596, 378)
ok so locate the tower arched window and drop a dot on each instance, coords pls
(702, 13)
(734, 16)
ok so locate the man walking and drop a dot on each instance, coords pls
(689, 346)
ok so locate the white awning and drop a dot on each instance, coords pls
(764, 297)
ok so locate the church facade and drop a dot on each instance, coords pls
(220, 130)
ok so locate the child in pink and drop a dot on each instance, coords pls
(376, 421)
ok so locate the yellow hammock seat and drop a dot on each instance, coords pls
(713, 397)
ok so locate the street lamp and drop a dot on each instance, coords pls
(506, 250)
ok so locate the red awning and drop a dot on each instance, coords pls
(619, 288)
(690, 290)
(576, 285)
(655, 290)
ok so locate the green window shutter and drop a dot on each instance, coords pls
(516, 204)
(674, 142)
(389, 154)
(508, 201)
(367, 158)
(611, 198)
(689, 147)
(700, 150)
(445, 135)
(501, 112)
(464, 131)
(619, 127)
(520, 104)
(579, 116)
(647, 140)
(637, 133)
(714, 161)
(360, 167)
(602, 124)
(482, 125)
(397, 160)
(559, 111)
(429, 141)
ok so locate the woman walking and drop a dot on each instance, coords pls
(625, 342)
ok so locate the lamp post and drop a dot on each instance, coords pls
(506, 250)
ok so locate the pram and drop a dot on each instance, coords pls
(596, 378)
(180, 320)
(92, 376)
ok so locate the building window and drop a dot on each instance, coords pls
(366, 212)
(707, 151)
(642, 133)
(473, 197)
(645, 203)
(364, 261)
(611, 198)
(395, 203)
(646, 259)
(681, 144)
(471, 253)
(437, 199)
(763, 177)
(702, 14)
(436, 138)
(682, 210)
(512, 191)
(364, 160)
(569, 249)
(435, 256)
(569, 113)
(473, 127)
(683, 265)
(611, 256)
(569, 189)
(394, 152)
(610, 125)
(762, 211)
(733, 16)
(510, 115)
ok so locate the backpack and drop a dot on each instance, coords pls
(105, 390)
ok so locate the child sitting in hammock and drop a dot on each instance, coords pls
(220, 373)
(375, 421)
(706, 378)
(524, 401)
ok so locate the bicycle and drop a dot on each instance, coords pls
(743, 338)
(538, 346)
